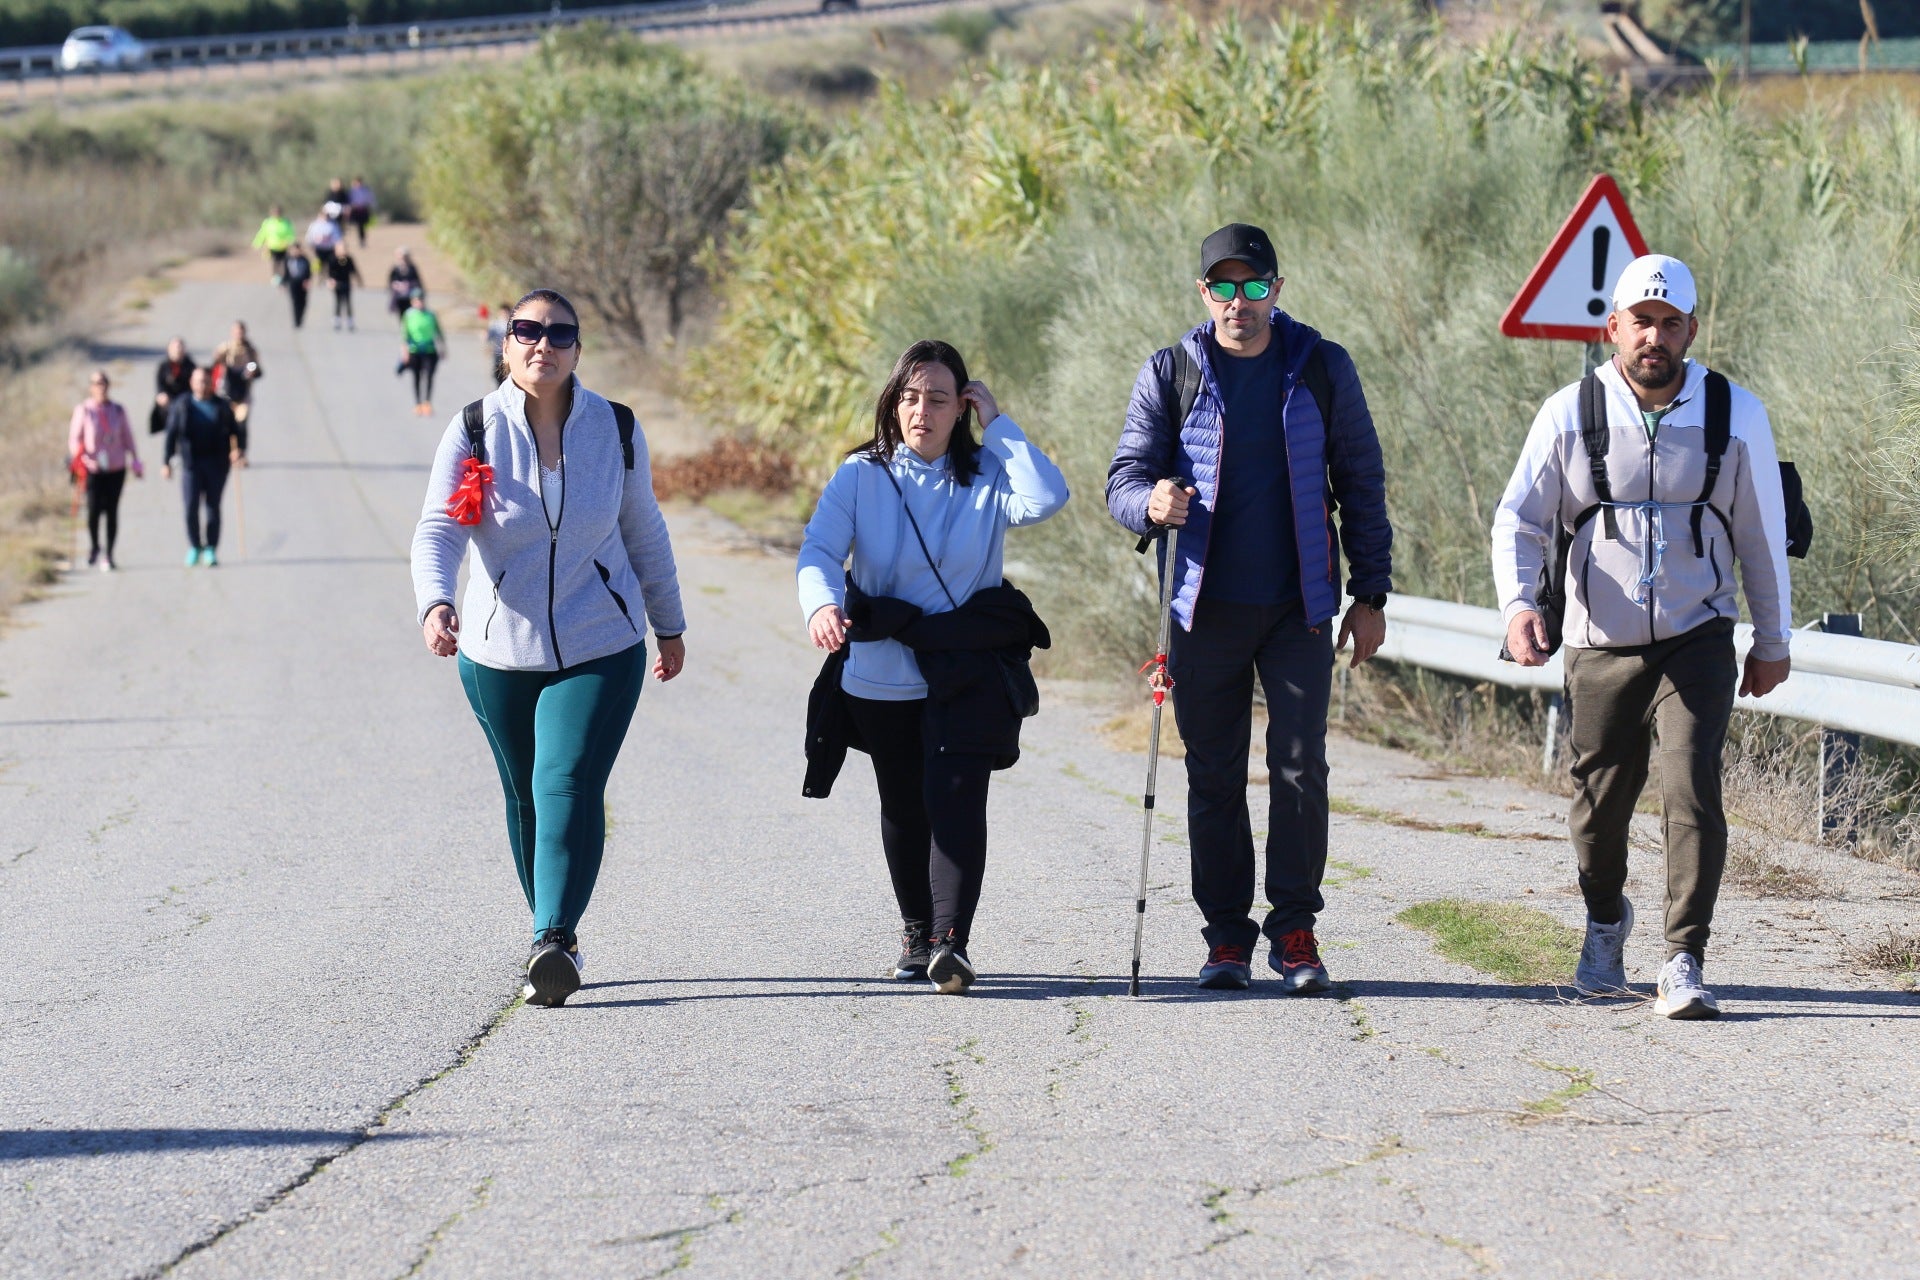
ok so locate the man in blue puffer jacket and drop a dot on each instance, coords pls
(1275, 440)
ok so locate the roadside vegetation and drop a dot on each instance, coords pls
(1519, 944)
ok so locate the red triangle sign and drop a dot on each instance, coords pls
(1570, 291)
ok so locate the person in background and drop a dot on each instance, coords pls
(403, 278)
(100, 445)
(497, 333)
(170, 380)
(324, 234)
(235, 368)
(276, 235)
(345, 273)
(211, 441)
(297, 272)
(337, 193)
(422, 355)
(360, 207)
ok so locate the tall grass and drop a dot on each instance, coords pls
(1046, 222)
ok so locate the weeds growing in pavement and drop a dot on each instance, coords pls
(1896, 951)
(1519, 944)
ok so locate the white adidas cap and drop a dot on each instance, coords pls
(1655, 277)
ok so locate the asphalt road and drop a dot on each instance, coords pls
(259, 986)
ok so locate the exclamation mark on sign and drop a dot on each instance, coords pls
(1602, 236)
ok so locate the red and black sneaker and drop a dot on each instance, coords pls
(1296, 958)
(1226, 969)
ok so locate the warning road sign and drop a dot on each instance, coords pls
(1569, 293)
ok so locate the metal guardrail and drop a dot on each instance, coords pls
(396, 39)
(1870, 687)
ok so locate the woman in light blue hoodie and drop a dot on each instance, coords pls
(570, 555)
(922, 510)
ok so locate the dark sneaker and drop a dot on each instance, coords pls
(553, 970)
(1296, 958)
(914, 954)
(1226, 969)
(949, 970)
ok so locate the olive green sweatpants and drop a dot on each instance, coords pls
(1616, 699)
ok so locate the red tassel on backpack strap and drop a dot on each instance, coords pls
(470, 495)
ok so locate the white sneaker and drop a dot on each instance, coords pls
(1683, 991)
(1603, 963)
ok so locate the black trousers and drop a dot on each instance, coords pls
(202, 481)
(343, 301)
(103, 507)
(1213, 667)
(933, 817)
(423, 364)
(299, 294)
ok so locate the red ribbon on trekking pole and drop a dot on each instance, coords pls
(470, 495)
(1160, 682)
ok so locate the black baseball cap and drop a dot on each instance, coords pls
(1238, 242)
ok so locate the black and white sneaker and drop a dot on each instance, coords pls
(553, 970)
(914, 954)
(949, 970)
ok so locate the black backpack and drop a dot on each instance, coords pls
(1186, 387)
(474, 419)
(1551, 595)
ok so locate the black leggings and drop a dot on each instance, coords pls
(933, 817)
(343, 301)
(298, 292)
(424, 363)
(103, 504)
(202, 482)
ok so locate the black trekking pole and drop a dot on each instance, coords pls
(1159, 682)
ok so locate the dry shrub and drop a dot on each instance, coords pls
(1898, 951)
(728, 463)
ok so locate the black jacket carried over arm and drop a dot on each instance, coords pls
(976, 661)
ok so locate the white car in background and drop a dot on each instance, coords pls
(101, 49)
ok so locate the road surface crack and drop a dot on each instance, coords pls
(385, 1114)
(476, 1201)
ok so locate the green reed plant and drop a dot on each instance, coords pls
(1045, 222)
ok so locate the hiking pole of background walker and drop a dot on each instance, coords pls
(1159, 684)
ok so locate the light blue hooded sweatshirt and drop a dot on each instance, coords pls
(965, 528)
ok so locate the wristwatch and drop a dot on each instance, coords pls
(1377, 601)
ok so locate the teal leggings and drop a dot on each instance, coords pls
(555, 735)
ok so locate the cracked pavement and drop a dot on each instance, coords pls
(260, 1000)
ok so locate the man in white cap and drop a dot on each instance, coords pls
(1652, 476)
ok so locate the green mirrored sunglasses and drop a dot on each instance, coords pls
(1251, 290)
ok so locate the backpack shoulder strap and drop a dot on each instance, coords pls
(1319, 385)
(623, 419)
(474, 418)
(1186, 384)
(1594, 437)
(1719, 434)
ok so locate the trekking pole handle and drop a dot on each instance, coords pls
(1146, 539)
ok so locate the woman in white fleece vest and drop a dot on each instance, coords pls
(570, 551)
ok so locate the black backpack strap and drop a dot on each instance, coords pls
(1719, 434)
(474, 418)
(1186, 385)
(1594, 436)
(623, 418)
(1320, 386)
